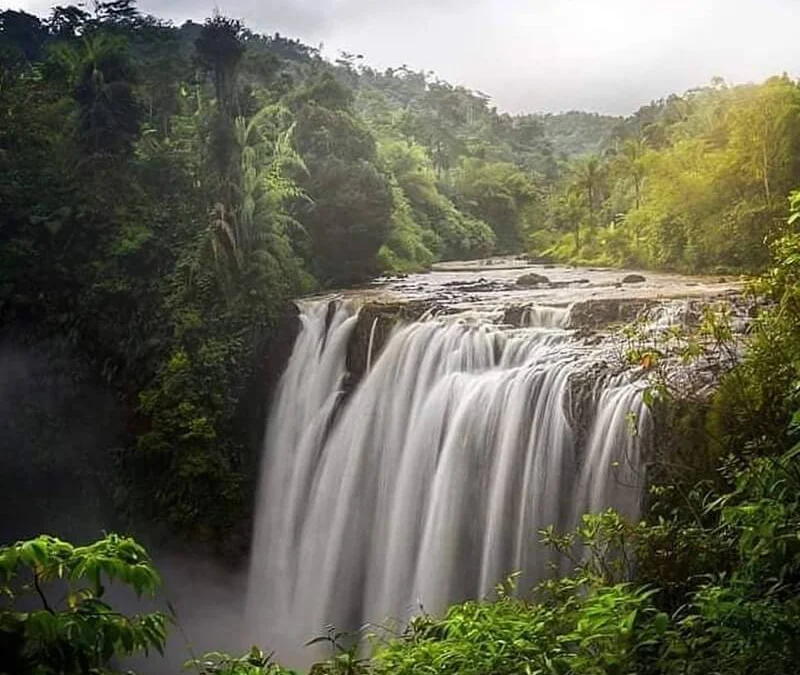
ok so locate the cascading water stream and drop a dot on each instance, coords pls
(544, 316)
(427, 484)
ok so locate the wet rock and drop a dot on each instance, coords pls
(514, 315)
(633, 279)
(599, 313)
(568, 282)
(274, 357)
(592, 339)
(478, 286)
(581, 405)
(532, 279)
(383, 317)
(277, 351)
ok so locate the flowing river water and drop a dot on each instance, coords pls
(498, 410)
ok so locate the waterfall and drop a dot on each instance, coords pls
(428, 482)
(544, 316)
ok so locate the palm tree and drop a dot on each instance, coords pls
(265, 188)
(589, 177)
(220, 48)
(103, 78)
(258, 224)
(630, 161)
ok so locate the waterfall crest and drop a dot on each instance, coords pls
(427, 484)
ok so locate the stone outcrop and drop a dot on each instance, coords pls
(532, 279)
(278, 349)
(384, 316)
(480, 285)
(633, 279)
(600, 313)
(514, 315)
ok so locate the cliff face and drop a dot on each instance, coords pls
(374, 325)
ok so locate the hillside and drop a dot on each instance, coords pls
(577, 133)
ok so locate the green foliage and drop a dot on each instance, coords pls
(694, 183)
(347, 219)
(82, 632)
(444, 230)
(758, 400)
(501, 194)
(220, 49)
(255, 662)
(346, 658)
(347, 214)
(405, 249)
(108, 115)
(108, 244)
(577, 133)
(571, 626)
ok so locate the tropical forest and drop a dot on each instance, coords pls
(314, 366)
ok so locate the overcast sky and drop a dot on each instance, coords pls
(609, 56)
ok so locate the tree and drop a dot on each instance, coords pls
(220, 48)
(348, 210)
(444, 230)
(117, 13)
(500, 194)
(589, 177)
(348, 219)
(108, 114)
(23, 34)
(67, 22)
(566, 212)
(82, 632)
(629, 162)
(762, 123)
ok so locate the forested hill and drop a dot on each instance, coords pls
(576, 133)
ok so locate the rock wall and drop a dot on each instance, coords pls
(384, 317)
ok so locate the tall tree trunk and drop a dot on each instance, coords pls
(765, 169)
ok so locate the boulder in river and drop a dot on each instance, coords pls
(477, 286)
(532, 279)
(633, 279)
(599, 313)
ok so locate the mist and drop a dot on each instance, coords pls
(58, 433)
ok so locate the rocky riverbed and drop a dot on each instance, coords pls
(514, 293)
(491, 289)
